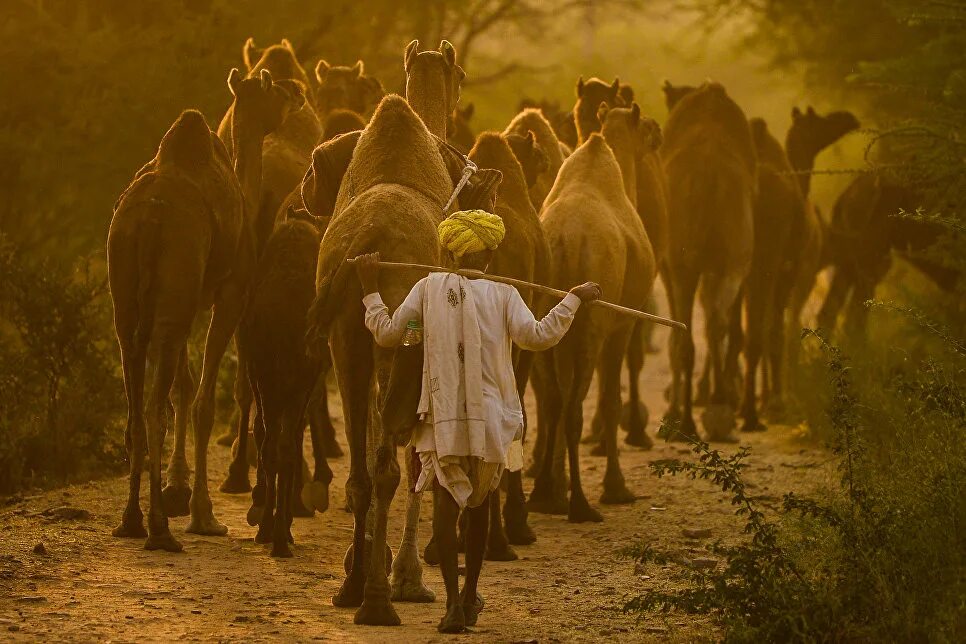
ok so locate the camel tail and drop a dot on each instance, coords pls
(329, 298)
(148, 252)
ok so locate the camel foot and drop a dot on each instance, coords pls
(264, 534)
(753, 426)
(581, 512)
(639, 439)
(407, 577)
(630, 422)
(500, 552)
(349, 595)
(718, 421)
(416, 593)
(431, 554)
(454, 621)
(130, 528)
(207, 525)
(299, 509)
(544, 502)
(599, 450)
(226, 440)
(315, 495)
(237, 480)
(163, 541)
(281, 550)
(472, 610)
(175, 501)
(254, 515)
(678, 428)
(617, 494)
(520, 534)
(377, 612)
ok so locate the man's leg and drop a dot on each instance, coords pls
(445, 514)
(476, 534)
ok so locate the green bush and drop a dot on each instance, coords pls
(60, 393)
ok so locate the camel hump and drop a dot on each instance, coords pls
(187, 142)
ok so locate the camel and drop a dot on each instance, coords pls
(809, 134)
(561, 120)
(711, 165)
(279, 59)
(778, 208)
(594, 233)
(182, 240)
(282, 375)
(348, 88)
(590, 95)
(533, 120)
(390, 201)
(459, 132)
(531, 157)
(341, 121)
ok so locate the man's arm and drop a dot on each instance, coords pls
(387, 330)
(532, 335)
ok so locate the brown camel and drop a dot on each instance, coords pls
(282, 374)
(779, 207)
(809, 134)
(590, 95)
(710, 161)
(341, 122)
(533, 120)
(531, 157)
(345, 88)
(390, 202)
(594, 233)
(562, 121)
(279, 59)
(459, 131)
(181, 240)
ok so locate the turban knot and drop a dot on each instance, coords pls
(471, 231)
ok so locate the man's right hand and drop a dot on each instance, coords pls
(587, 292)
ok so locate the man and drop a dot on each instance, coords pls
(469, 406)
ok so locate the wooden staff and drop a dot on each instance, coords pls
(465, 272)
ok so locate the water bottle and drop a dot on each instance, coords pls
(413, 334)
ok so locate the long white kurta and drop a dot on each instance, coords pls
(503, 318)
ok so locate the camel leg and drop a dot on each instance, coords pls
(575, 359)
(257, 508)
(165, 361)
(634, 415)
(611, 359)
(732, 380)
(540, 438)
(789, 349)
(445, 515)
(838, 292)
(354, 367)
(268, 451)
(377, 608)
(857, 312)
(135, 436)
(177, 493)
(407, 572)
(544, 498)
(224, 321)
(289, 461)
(760, 311)
(497, 546)
(518, 532)
(719, 297)
(236, 482)
(680, 414)
(476, 542)
(315, 493)
(320, 422)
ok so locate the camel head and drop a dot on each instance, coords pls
(590, 95)
(812, 132)
(532, 158)
(340, 122)
(433, 81)
(348, 88)
(674, 93)
(278, 59)
(322, 180)
(187, 143)
(262, 102)
(623, 126)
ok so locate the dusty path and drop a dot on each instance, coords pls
(568, 586)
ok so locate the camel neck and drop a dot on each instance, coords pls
(628, 165)
(426, 94)
(248, 164)
(803, 161)
(433, 117)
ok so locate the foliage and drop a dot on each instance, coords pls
(881, 556)
(59, 392)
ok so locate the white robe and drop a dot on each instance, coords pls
(503, 317)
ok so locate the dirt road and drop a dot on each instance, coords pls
(566, 587)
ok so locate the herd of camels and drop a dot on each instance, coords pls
(254, 221)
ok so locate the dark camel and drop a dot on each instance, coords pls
(590, 95)
(459, 132)
(594, 233)
(347, 88)
(531, 120)
(711, 165)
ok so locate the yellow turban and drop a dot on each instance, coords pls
(471, 231)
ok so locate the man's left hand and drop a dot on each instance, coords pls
(367, 267)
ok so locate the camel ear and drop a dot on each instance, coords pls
(358, 68)
(602, 111)
(234, 80)
(580, 86)
(796, 113)
(321, 71)
(251, 53)
(636, 113)
(266, 78)
(666, 87)
(449, 52)
(615, 87)
(810, 111)
(530, 138)
(411, 49)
